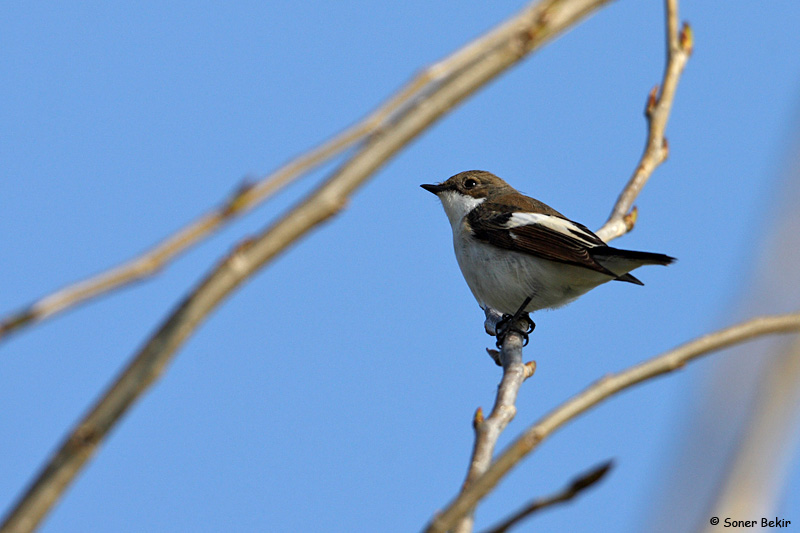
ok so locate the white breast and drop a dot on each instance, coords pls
(457, 205)
(502, 279)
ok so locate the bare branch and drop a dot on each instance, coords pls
(577, 486)
(657, 111)
(488, 430)
(599, 391)
(527, 31)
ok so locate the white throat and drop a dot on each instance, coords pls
(457, 205)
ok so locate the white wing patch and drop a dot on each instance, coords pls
(557, 224)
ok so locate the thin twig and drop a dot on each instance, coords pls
(534, 26)
(602, 390)
(657, 111)
(577, 486)
(249, 196)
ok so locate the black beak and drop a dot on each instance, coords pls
(435, 189)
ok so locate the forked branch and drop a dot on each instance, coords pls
(597, 393)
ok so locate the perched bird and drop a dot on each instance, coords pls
(520, 255)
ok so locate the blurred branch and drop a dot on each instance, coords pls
(595, 394)
(528, 30)
(472, 66)
(657, 111)
(577, 486)
(752, 479)
(156, 258)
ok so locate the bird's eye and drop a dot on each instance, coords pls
(470, 183)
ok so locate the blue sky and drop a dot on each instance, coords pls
(335, 390)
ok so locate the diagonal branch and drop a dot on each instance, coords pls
(159, 256)
(602, 390)
(576, 487)
(527, 31)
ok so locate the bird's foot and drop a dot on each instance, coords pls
(509, 323)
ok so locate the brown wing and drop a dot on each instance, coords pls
(563, 241)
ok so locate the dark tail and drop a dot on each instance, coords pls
(607, 256)
(645, 258)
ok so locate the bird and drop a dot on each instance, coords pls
(519, 255)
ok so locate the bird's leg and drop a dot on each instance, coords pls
(508, 323)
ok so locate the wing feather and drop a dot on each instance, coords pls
(542, 235)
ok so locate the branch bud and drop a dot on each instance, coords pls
(630, 218)
(238, 199)
(651, 102)
(530, 368)
(477, 420)
(686, 39)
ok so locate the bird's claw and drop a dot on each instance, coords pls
(507, 324)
